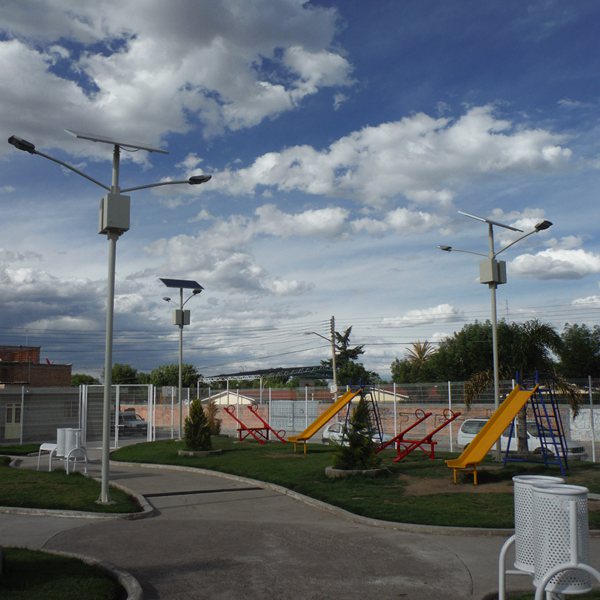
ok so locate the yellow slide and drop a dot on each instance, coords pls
(476, 451)
(322, 419)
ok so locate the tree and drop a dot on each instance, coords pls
(526, 349)
(349, 370)
(415, 366)
(211, 410)
(196, 428)
(360, 451)
(580, 352)
(168, 375)
(78, 379)
(124, 374)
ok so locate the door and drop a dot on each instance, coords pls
(12, 423)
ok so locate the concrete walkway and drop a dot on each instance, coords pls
(217, 537)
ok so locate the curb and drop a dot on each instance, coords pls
(123, 578)
(349, 516)
(147, 509)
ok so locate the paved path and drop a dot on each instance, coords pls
(218, 538)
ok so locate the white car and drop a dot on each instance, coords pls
(334, 434)
(471, 427)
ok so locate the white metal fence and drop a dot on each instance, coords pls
(34, 414)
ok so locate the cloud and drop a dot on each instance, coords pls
(419, 157)
(593, 301)
(319, 222)
(444, 313)
(229, 64)
(557, 263)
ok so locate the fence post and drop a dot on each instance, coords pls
(395, 413)
(592, 418)
(22, 414)
(305, 407)
(450, 409)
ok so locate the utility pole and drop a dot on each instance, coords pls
(333, 367)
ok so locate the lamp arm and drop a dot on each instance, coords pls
(513, 243)
(151, 185)
(71, 168)
(188, 299)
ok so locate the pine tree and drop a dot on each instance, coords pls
(360, 450)
(196, 428)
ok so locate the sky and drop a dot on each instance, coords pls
(342, 139)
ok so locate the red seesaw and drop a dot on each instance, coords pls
(260, 434)
(405, 446)
(420, 415)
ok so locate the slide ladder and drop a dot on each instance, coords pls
(375, 426)
(420, 416)
(482, 443)
(405, 447)
(323, 418)
(550, 430)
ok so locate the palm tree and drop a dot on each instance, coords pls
(420, 352)
(528, 350)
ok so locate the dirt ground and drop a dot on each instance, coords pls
(438, 485)
(423, 486)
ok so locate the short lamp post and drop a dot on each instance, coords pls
(181, 318)
(332, 342)
(113, 222)
(493, 273)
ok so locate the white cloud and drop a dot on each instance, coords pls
(419, 157)
(557, 263)
(444, 313)
(231, 64)
(593, 301)
(320, 222)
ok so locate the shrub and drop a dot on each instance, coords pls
(196, 428)
(211, 410)
(359, 452)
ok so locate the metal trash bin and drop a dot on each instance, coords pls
(524, 521)
(67, 439)
(561, 537)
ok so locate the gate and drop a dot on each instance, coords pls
(292, 415)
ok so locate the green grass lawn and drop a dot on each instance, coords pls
(57, 490)
(381, 498)
(23, 450)
(33, 575)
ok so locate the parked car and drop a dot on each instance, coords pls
(130, 423)
(334, 434)
(471, 427)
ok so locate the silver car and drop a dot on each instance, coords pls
(334, 434)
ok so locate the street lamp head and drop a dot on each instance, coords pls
(445, 248)
(543, 225)
(21, 144)
(197, 291)
(198, 179)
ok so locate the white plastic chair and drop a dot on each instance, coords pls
(50, 448)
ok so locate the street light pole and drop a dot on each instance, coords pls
(181, 318)
(333, 362)
(113, 222)
(493, 272)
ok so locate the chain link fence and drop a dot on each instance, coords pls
(144, 412)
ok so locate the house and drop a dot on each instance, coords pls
(20, 365)
(229, 397)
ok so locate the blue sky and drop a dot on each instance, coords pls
(342, 139)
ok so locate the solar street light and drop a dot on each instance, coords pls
(113, 222)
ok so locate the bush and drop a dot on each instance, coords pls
(360, 450)
(211, 410)
(196, 428)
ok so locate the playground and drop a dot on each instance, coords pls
(417, 490)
